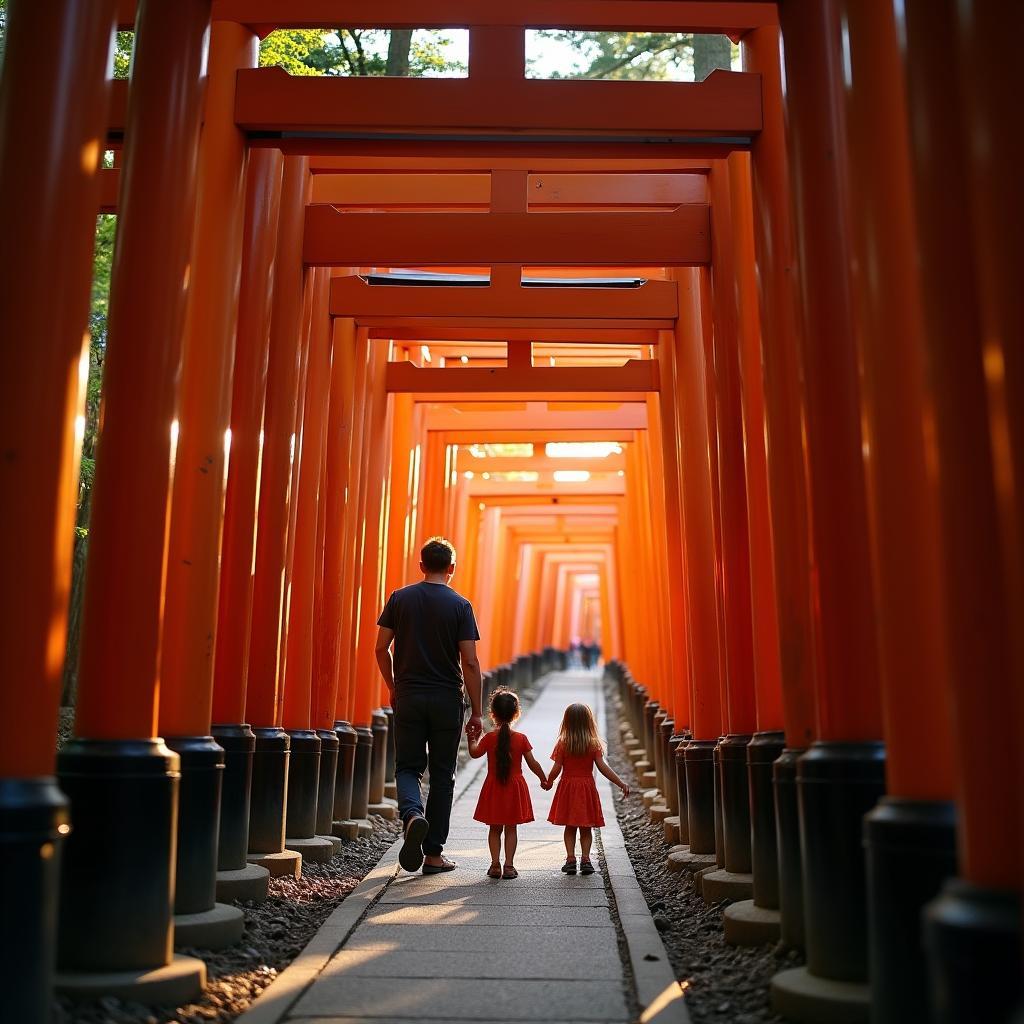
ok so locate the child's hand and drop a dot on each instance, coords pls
(624, 788)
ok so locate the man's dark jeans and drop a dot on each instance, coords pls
(428, 728)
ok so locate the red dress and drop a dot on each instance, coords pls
(576, 799)
(504, 803)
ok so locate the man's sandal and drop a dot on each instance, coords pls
(494, 871)
(509, 872)
(411, 854)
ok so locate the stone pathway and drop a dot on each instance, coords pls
(464, 947)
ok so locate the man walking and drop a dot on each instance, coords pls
(435, 634)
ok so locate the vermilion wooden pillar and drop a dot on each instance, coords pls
(337, 487)
(116, 761)
(193, 546)
(304, 763)
(775, 254)
(48, 205)
(270, 762)
(740, 719)
(231, 660)
(910, 835)
(756, 921)
(699, 546)
(843, 774)
(973, 929)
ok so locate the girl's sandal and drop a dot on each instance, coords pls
(586, 868)
(569, 867)
(494, 871)
(509, 872)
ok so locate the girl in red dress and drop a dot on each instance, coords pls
(577, 804)
(505, 798)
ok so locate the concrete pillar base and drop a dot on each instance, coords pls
(727, 885)
(747, 924)
(804, 998)
(671, 826)
(649, 777)
(624, 729)
(650, 797)
(287, 862)
(220, 926)
(175, 983)
(363, 827)
(385, 809)
(335, 842)
(248, 884)
(317, 849)
(636, 754)
(679, 848)
(687, 861)
(631, 743)
(347, 829)
(658, 812)
(698, 878)
(391, 792)
(642, 766)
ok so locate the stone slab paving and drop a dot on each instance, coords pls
(463, 947)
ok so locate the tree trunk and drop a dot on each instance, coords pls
(398, 53)
(710, 52)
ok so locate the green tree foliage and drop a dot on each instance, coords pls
(641, 56)
(359, 52)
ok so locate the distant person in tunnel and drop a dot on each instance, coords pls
(432, 673)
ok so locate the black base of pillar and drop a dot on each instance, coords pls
(379, 760)
(202, 771)
(327, 779)
(667, 776)
(650, 710)
(911, 850)
(238, 743)
(346, 768)
(679, 741)
(269, 790)
(791, 859)
(973, 941)
(732, 755)
(837, 784)
(719, 825)
(33, 824)
(361, 772)
(117, 879)
(762, 751)
(655, 754)
(389, 768)
(699, 758)
(303, 784)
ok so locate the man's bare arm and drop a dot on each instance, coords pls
(473, 680)
(382, 650)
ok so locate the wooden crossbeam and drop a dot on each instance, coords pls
(617, 383)
(353, 239)
(725, 106)
(637, 15)
(453, 331)
(473, 191)
(651, 304)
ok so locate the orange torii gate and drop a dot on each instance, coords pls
(893, 594)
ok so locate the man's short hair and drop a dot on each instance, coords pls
(437, 555)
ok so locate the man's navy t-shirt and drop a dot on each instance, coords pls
(428, 620)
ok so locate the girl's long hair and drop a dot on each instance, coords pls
(504, 711)
(578, 733)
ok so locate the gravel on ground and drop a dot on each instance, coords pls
(724, 984)
(276, 931)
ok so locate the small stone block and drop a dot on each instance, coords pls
(747, 924)
(216, 928)
(391, 791)
(690, 861)
(650, 797)
(649, 778)
(804, 998)
(175, 983)
(287, 862)
(363, 828)
(671, 826)
(720, 885)
(347, 829)
(314, 848)
(384, 809)
(335, 842)
(680, 848)
(642, 766)
(637, 754)
(658, 812)
(247, 884)
(698, 878)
